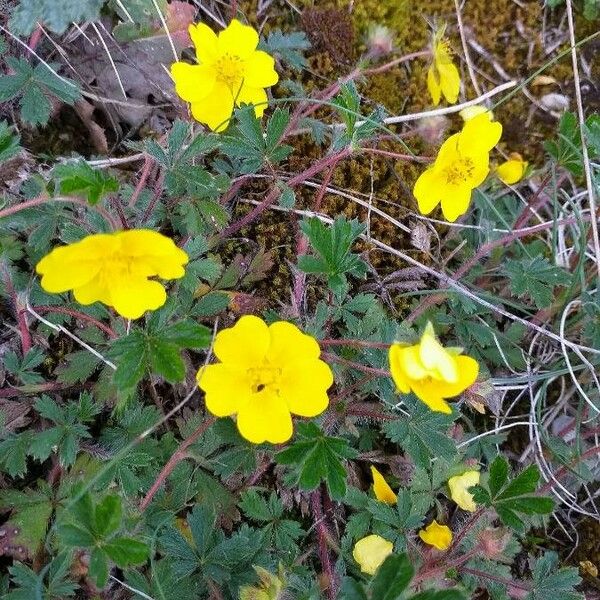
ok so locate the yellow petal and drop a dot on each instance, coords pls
(398, 375)
(245, 344)
(459, 485)
(205, 41)
(411, 364)
(132, 297)
(478, 135)
(434, 357)
(455, 202)
(290, 345)
(370, 552)
(254, 96)
(216, 109)
(433, 85)
(193, 82)
(512, 170)
(303, 386)
(238, 40)
(449, 81)
(159, 252)
(95, 290)
(467, 369)
(436, 535)
(226, 389)
(265, 420)
(427, 190)
(260, 70)
(383, 492)
(62, 270)
(426, 391)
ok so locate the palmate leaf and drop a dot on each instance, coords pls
(287, 46)
(315, 457)
(33, 84)
(552, 584)
(535, 277)
(423, 434)
(513, 498)
(79, 179)
(57, 15)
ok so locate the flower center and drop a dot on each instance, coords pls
(230, 70)
(264, 378)
(459, 171)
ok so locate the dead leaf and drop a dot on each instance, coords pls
(420, 237)
(180, 15)
(85, 111)
(482, 395)
(543, 80)
(13, 414)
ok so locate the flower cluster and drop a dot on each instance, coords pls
(370, 551)
(265, 374)
(230, 72)
(462, 164)
(115, 269)
(432, 372)
(442, 77)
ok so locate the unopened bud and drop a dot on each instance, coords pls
(380, 40)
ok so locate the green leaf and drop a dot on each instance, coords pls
(512, 498)
(352, 590)
(107, 516)
(287, 46)
(9, 142)
(126, 551)
(566, 150)
(165, 359)
(57, 15)
(317, 457)
(552, 584)
(392, 578)
(98, 567)
(130, 354)
(423, 434)
(536, 278)
(79, 179)
(76, 536)
(333, 244)
(188, 334)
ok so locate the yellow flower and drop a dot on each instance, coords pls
(459, 486)
(512, 170)
(461, 165)
(230, 72)
(265, 373)
(115, 269)
(436, 535)
(474, 111)
(370, 552)
(431, 371)
(383, 492)
(442, 77)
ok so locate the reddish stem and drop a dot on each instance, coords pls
(275, 191)
(322, 537)
(397, 156)
(148, 163)
(77, 315)
(11, 210)
(348, 363)
(179, 455)
(20, 313)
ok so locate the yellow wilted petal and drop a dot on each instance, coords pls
(474, 111)
(459, 486)
(383, 492)
(370, 552)
(436, 535)
(512, 170)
